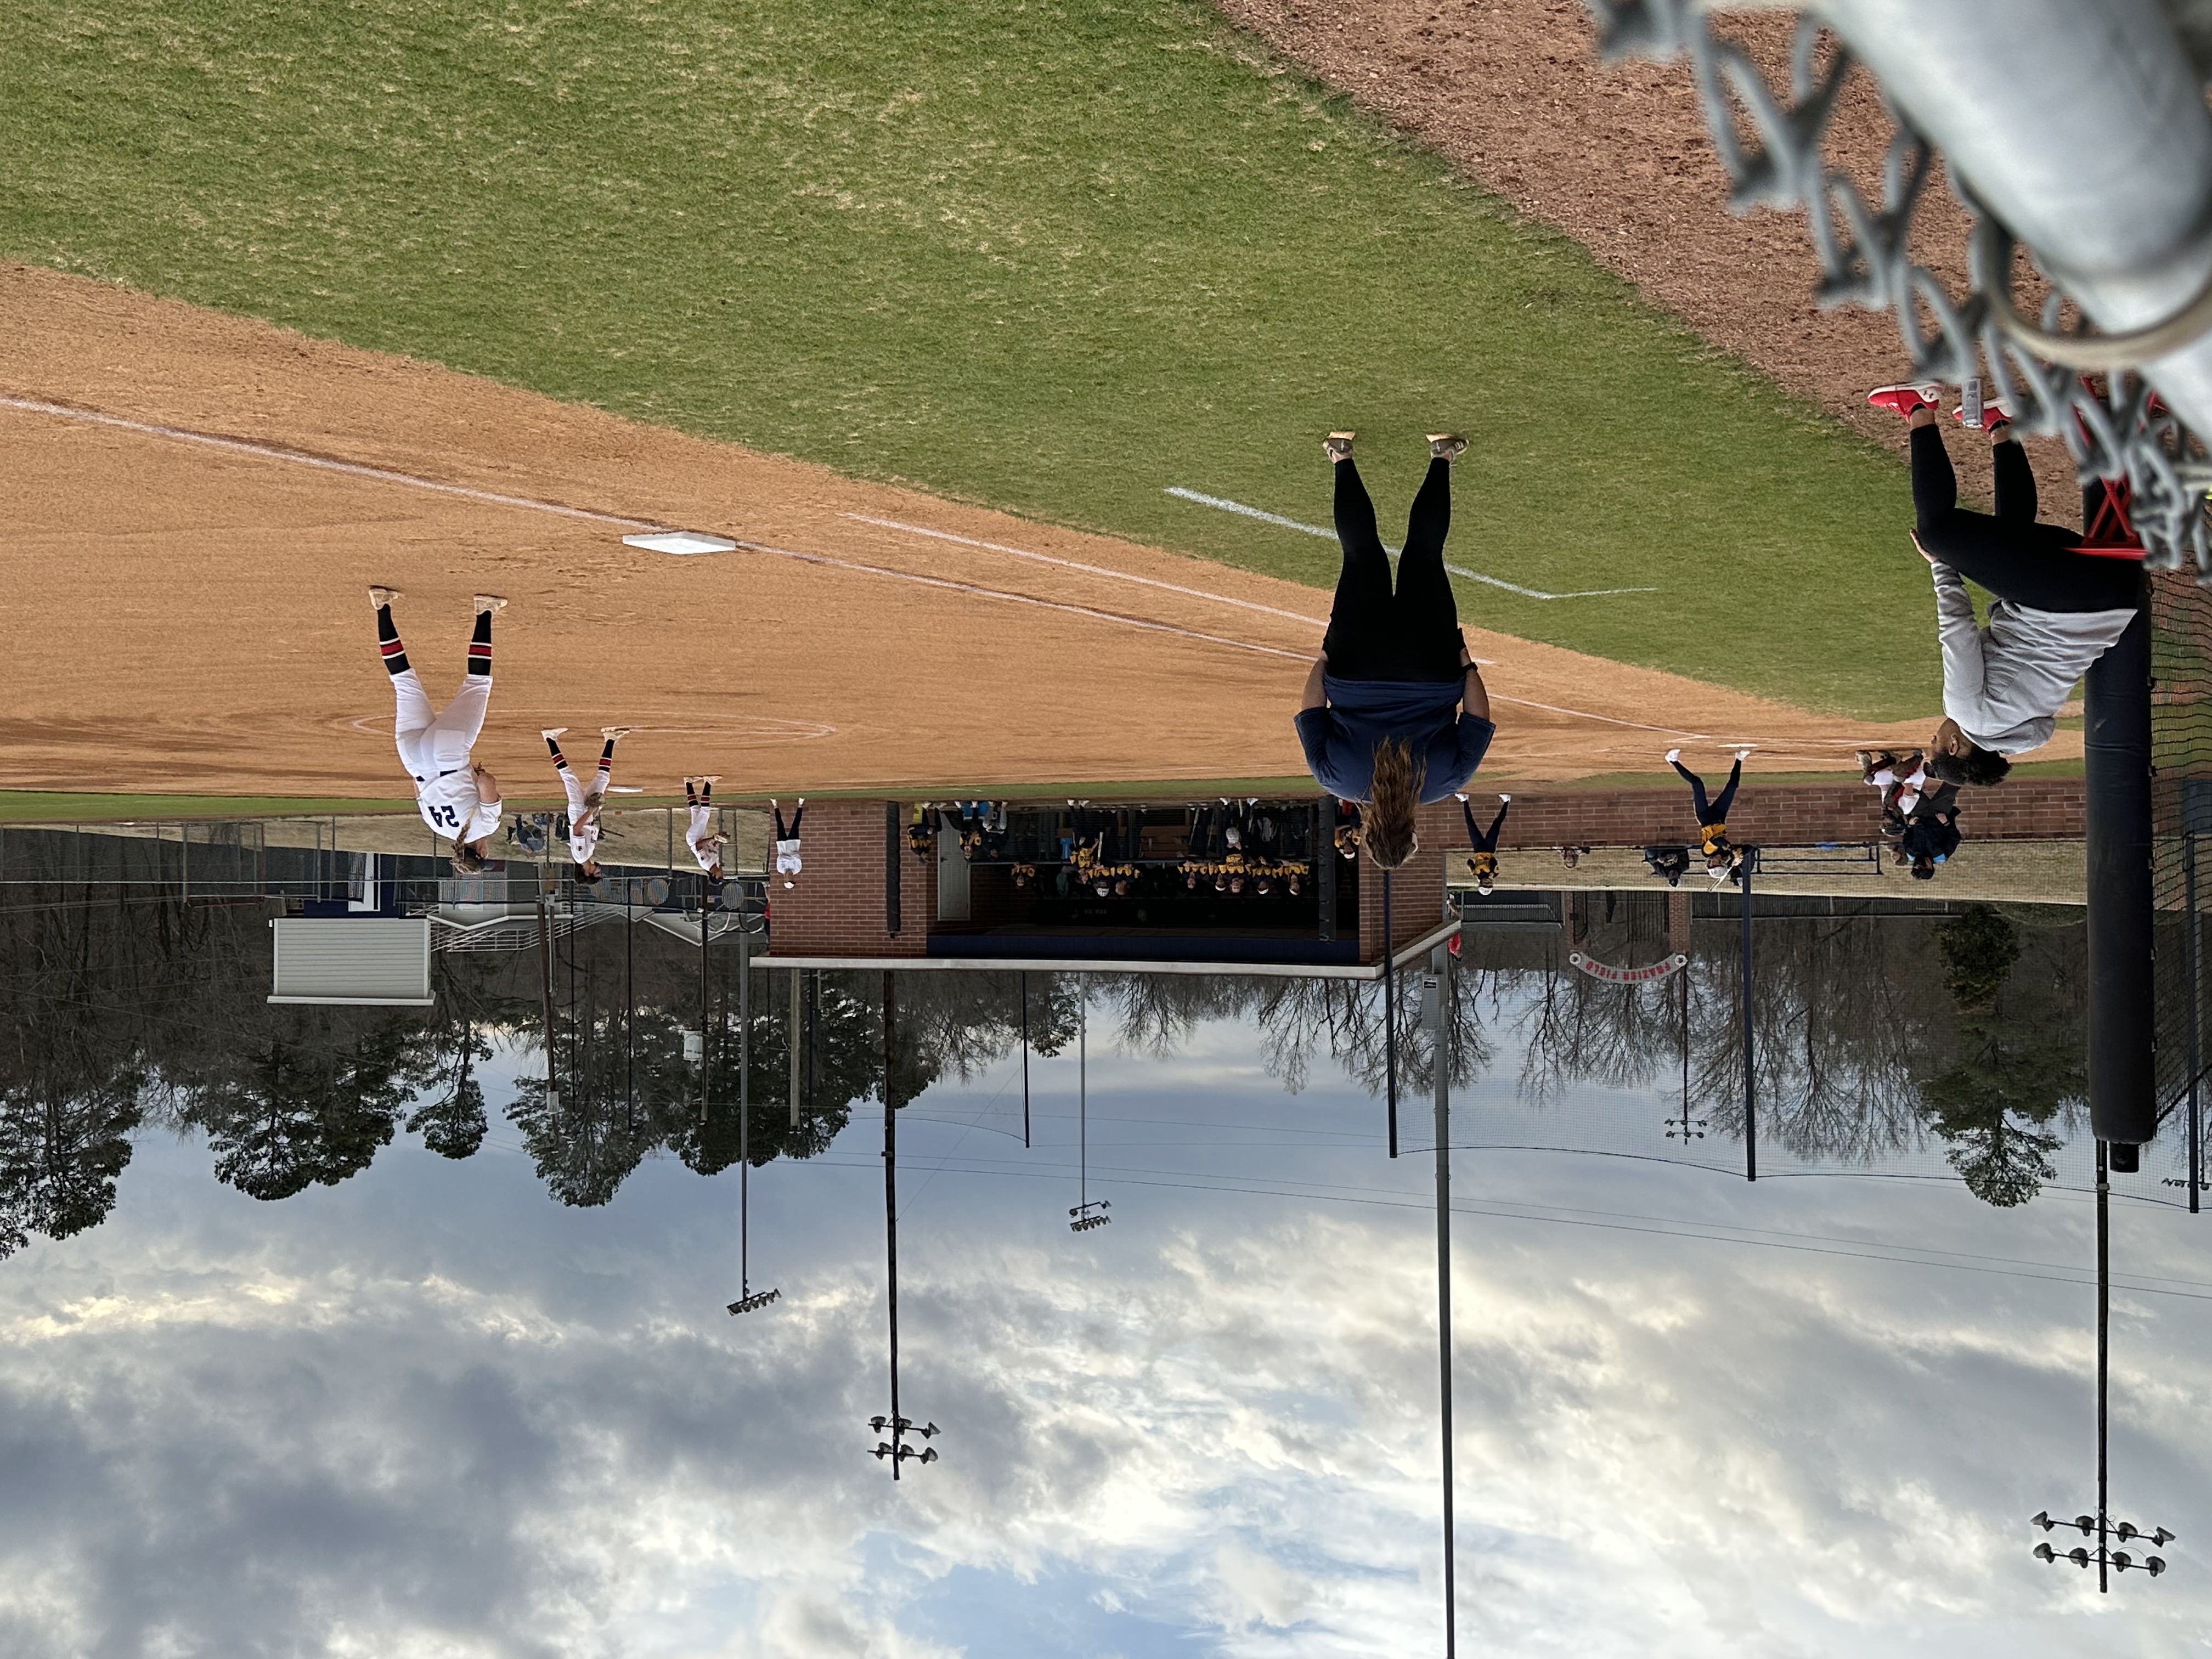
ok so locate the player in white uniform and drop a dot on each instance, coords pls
(457, 797)
(584, 804)
(704, 841)
(786, 840)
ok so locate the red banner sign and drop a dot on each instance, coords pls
(1613, 975)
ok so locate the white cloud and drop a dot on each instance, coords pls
(428, 1414)
(1257, 1590)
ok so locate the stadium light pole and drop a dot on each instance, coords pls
(1436, 995)
(2101, 1525)
(706, 1004)
(545, 964)
(748, 1300)
(798, 1039)
(1750, 1078)
(1686, 1127)
(895, 1450)
(629, 1016)
(1389, 1015)
(1086, 1214)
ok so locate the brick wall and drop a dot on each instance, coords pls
(1416, 894)
(836, 908)
(2022, 809)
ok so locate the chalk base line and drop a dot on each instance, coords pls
(1265, 517)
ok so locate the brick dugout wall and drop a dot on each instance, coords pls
(837, 910)
(1416, 894)
(2021, 809)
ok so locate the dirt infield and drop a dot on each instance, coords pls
(1512, 94)
(188, 612)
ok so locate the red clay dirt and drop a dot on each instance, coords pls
(189, 617)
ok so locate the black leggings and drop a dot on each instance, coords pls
(1482, 842)
(1712, 811)
(784, 832)
(1373, 633)
(2009, 552)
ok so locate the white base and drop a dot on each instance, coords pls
(681, 541)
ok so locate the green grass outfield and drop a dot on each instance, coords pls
(1054, 257)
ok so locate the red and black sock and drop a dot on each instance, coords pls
(387, 641)
(691, 795)
(607, 757)
(554, 744)
(480, 645)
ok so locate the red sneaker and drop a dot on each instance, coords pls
(1994, 414)
(1903, 400)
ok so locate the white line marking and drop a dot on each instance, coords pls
(1584, 714)
(1019, 598)
(1227, 506)
(273, 451)
(1246, 604)
(1093, 569)
(1133, 622)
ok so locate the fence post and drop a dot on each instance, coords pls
(891, 917)
(2196, 1006)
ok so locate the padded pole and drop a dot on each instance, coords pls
(2123, 1093)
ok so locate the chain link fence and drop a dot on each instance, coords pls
(2181, 753)
(1773, 144)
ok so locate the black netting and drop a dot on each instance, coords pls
(2181, 753)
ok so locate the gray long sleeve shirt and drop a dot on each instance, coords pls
(2003, 683)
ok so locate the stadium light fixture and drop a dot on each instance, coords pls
(894, 1450)
(2101, 1527)
(1089, 1213)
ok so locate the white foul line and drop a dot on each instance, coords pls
(1093, 569)
(1218, 598)
(1228, 506)
(1019, 598)
(275, 452)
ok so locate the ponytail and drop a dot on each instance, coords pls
(1388, 823)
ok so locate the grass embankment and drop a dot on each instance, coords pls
(1054, 257)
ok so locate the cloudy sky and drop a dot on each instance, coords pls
(429, 1413)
